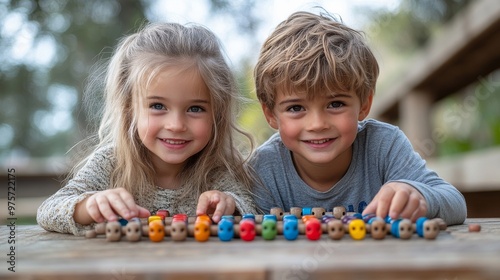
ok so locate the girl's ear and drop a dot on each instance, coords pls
(270, 117)
(365, 108)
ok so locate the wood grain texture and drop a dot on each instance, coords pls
(455, 254)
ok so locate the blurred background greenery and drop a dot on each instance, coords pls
(49, 48)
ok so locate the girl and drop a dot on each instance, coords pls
(166, 138)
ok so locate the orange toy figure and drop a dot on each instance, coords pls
(156, 231)
(202, 228)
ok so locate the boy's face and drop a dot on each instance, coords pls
(318, 131)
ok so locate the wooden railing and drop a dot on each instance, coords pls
(466, 51)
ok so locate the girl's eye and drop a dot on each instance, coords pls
(336, 104)
(295, 108)
(196, 109)
(157, 106)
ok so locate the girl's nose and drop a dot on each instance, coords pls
(175, 122)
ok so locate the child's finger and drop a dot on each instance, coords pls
(384, 199)
(371, 207)
(203, 203)
(411, 206)
(93, 210)
(105, 208)
(128, 205)
(119, 206)
(399, 202)
(219, 209)
(143, 212)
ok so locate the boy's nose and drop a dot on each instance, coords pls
(317, 121)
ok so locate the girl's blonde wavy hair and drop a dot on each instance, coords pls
(136, 61)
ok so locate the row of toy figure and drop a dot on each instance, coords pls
(311, 222)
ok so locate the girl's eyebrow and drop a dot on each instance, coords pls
(154, 97)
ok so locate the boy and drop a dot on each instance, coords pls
(315, 79)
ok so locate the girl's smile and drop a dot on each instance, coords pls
(175, 119)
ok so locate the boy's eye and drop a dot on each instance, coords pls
(336, 104)
(196, 109)
(295, 108)
(157, 106)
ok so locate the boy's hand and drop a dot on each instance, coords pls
(398, 200)
(107, 206)
(215, 202)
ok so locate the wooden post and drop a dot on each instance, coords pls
(415, 120)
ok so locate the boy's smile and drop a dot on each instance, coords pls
(319, 131)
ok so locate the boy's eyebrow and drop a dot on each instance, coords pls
(295, 100)
(342, 95)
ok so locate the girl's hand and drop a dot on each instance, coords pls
(215, 202)
(398, 200)
(107, 206)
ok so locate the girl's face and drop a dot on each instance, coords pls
(175, 118)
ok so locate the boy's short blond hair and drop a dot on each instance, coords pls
(314, 54)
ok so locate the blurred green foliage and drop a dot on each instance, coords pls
(41, 105)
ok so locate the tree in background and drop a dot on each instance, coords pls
(48, 50)
(49, 47)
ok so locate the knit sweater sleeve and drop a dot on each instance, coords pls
(403, 164)
(56, 213)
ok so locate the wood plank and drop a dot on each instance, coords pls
(456, 253)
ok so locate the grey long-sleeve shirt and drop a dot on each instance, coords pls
(381, 154)
(56, 213)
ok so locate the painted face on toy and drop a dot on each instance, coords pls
(247, 230)
(377, 229)
(156, 231)
(318, 212)
(313, 229)
(290, 229)
(405, 229)
(178, 231)
(269, 229)
(113, 231)
(201, 230)
(357, 229)
(278, 212)
(430, 229)
(339, 212)
(133, 231)
(225, 230)
(335, 229)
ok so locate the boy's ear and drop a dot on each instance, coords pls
(270, 118)
(365, 108)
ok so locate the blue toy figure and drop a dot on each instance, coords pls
(290, 227)
(225, 230)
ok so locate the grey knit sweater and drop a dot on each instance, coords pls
(56, 213)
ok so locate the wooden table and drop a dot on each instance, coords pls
(455, 254)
